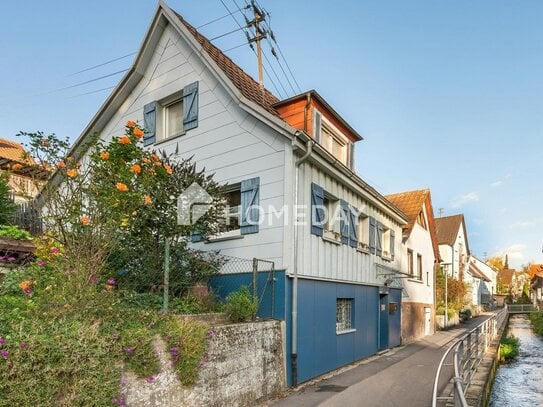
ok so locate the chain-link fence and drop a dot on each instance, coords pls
(256, 274)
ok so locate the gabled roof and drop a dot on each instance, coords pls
(412, 203)
(476, 272)
(535, 269)
(506, 276)
(249, 88)
(447, 229)
(15, 152)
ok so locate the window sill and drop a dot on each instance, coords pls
(345, 331)
(221, 237)
(332, 237)
(415, 280)
(361, 250)
(164, 141)
(386, 258)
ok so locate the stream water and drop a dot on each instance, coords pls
(520, 383)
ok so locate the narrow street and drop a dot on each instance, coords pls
(401, 377)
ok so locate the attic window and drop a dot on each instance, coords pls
(421, 220)
(333, 141)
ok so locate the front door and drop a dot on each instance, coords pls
(427, 321)
(383, 321)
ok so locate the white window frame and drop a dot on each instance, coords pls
(334, 133)
(162, 117)
(331, 227)
(363, 233)
(345, 316)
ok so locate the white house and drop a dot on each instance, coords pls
(489, 279)
(453, 244)
(335, 282)
(419, 255)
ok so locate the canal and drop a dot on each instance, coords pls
(520, 383)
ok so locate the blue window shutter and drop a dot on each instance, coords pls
(149, 123)
(379, 239)
(353, 237)
(345, 222)
(372, 235)
(190, 106)
(392, 236)
(317, 125)
(250, 194)
(317, 209)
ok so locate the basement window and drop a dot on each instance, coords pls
(344, 315)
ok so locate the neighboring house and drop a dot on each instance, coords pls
(24, 180)
(508, 282)
(490, 280)
(453, 244)
(419, 255)
(478, 292)
(536, 289)
(335, 281)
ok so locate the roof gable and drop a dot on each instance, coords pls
(448, 228)
(412, 203)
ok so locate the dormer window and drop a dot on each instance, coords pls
(332, 139)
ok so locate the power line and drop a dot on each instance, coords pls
(102, 64)
(214, 21)
(235, 19)
(91, 92)
(225, 34)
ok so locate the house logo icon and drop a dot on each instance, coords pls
(192, 204)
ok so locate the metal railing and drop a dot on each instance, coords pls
(467, 354)
(521, 308)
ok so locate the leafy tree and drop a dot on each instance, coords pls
(7, 206)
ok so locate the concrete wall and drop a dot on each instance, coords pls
(245, 366)
(414, 320)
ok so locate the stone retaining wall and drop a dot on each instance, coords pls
(245, 367)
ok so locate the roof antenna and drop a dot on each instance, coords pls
(441, 210)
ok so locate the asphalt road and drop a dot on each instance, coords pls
(402, 377)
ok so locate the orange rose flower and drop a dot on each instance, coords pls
(121, 187)
(155, 157)
(135, 168)
(131, 124)
(124, 140)
(61, 164)
(17, 167)
(147, 200)
(168, 169)
(138, 133)
(146, 160)
(71, 173)
(158, 164)
(104, 155)
(85, 220)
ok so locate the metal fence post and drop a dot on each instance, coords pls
(255, 271)
(165, 303)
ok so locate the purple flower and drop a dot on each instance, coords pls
(10, 259)
(174, 351)
(150, 379)
(111, 281)
(2, 257)
(4, 353)
(23, 345)
(54, 250)
(42, 263)
(94, 279)
(115, 400)
(211, 333)
(123, 382)
(201, 363)
(2, 341)
(129, 351)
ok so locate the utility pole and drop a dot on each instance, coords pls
(440, 210)
(260, 34)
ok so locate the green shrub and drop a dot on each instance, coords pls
(509, 348)
(537, 321)
(14, 232)
(241, 306)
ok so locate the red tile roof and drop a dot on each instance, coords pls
(447, 229)
(248, 87)
(11, 151)
(411, 203)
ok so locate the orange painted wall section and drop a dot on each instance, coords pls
(293, 114)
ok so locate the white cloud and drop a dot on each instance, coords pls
(496, 184)
(465, 199)
(515, 252)
(523, 224)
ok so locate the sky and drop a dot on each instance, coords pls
(447, 94)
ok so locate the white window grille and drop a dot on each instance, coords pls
(344, 315)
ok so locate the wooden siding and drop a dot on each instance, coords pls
(318, 258)
(227, 142)
(293, 114)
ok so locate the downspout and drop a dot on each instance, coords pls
(294, 333)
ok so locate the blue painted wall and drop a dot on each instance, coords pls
(270, 287)
(320, 349)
